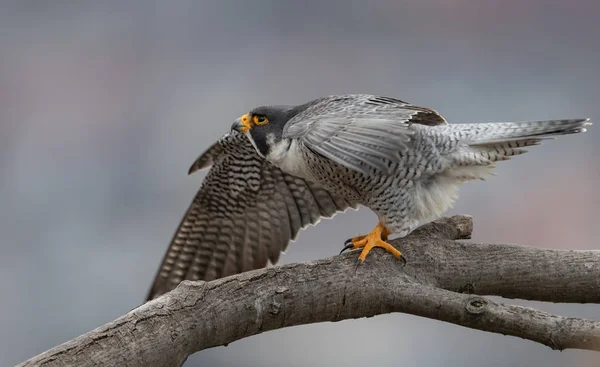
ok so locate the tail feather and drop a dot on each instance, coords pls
(493, 133)
(487, 143)
(503, 150)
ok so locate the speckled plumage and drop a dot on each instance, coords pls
(404, 162)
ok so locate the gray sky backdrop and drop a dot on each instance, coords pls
(105, 104)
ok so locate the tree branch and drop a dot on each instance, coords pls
(436, 282)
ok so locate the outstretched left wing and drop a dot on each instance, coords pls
(245, 214)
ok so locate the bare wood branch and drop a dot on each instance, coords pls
(510, 271)
(435, 284)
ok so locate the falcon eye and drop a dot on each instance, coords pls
(260, 120)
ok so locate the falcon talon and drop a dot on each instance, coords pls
(347, 246)
(403, 259)
(289, 166)
(357, 265)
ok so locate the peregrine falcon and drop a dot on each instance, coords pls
(282, 168)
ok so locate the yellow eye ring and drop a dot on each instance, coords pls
(260, 120)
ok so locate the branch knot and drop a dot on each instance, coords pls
(476, 305)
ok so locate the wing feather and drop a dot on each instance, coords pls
(305, 199)
(276, 241)
(293, 211)
(326, 205)
(296, 187)
(245, 213)
(361, 132)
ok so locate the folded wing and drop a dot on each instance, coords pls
(361, 132)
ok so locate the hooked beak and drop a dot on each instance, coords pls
(242, 124)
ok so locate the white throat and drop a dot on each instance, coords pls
(287, 155)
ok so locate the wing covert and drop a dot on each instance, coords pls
(361, 132)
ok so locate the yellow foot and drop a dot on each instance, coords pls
(376, 238)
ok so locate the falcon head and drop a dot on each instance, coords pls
(263, 126)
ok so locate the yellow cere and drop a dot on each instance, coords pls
(245, 120)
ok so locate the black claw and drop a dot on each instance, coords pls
(347, 245)
(403, 259)
(358, 263)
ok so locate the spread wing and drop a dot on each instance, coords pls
(361, 132)
(245, 214)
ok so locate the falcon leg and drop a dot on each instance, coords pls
(376, 238)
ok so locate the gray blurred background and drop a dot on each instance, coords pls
(105, 104)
